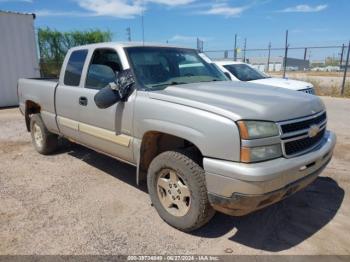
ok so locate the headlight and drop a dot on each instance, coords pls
(261, 153)
(257, 129)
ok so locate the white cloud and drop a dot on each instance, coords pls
(305, 9)
(124, 8)
(186, 38)
(46, 12)
(224, 9)
(114, 8)
(182, 38)
(171, 2)
(131, 8)
(9, 1)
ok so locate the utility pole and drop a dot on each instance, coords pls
(245, 47)
(268, 58)
(345, 70)
(305, 53)
(285, 56)
(128, 33)
(235, 49)
(142, 21)
(200, 45)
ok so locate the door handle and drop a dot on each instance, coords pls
(83, 101)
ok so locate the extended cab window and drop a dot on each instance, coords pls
(104, 67)
(74, 68)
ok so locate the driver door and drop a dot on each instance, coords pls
(106, 130)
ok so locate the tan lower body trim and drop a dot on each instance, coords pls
(72, 124)
(123, 140)
(104, 134)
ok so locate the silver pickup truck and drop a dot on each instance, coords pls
(203, 143)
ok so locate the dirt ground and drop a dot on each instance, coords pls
(81, 202)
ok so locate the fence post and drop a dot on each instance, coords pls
(305, 53)
(235, 50)
(245, 47)
(226, 54)
(285, 56)
(345, 70)
(268, 58)
(341, 55)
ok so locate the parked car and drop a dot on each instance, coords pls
(239, 71)
(201, 142)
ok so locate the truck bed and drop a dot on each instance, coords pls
(40, 91)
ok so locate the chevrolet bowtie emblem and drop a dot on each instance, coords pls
(313, 131)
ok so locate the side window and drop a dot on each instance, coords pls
(104, 67)
(74, 68)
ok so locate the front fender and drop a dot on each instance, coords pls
(215, 136)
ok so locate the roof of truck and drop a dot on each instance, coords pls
(128, 44)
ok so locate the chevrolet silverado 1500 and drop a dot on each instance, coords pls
(201, 142)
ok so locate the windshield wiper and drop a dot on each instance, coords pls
(174, 83)
(212, 80)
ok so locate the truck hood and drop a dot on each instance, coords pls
(239, 100)
(284, 83)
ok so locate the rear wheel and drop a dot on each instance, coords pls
(178, 191)
(43, 140)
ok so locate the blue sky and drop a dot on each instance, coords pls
(313, 22)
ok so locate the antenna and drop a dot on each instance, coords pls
(142, 21)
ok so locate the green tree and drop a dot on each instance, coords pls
(53, 46)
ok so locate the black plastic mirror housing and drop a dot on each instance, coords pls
(106, 97)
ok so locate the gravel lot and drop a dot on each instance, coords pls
(81, 202)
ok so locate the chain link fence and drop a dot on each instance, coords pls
(324, 66)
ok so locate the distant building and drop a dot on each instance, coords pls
(277, 64)
(18, 53)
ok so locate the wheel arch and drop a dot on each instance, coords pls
(31, 107)
(155, 142)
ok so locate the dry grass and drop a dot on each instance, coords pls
(332, 90)
(325, 83)
(309, 73)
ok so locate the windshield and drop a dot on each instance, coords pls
(158, 67)
(245, 72)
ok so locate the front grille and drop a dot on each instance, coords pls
(301, 145)
(296, 126)
(310, 91)
(295, 134)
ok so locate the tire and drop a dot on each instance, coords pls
(43, 140)
(188, 213)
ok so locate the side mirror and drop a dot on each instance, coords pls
(228, 75)
(116, 91)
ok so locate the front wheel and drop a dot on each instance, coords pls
(178, 191)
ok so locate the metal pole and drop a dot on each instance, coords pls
(142, 22)
(305, 53)
(285, 56)
(235, 49)
(345, 70)
(268, 58)
(226, 54)
(341, 56)
(128, 32)
(245, 47)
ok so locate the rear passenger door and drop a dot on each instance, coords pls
(107, 130)
(68, 94)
